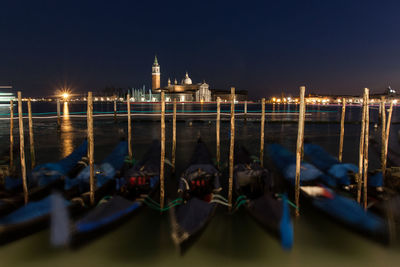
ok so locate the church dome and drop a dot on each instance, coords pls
(187, 80)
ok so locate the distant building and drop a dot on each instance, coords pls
(225, 95)
(186, 90)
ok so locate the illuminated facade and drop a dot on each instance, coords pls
(184, 91)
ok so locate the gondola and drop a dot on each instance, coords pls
(47, 173)
(337, 207)
(344, 173)
(253, 186)
(35, 215)
(42, 180)
(383, 198)
(138, 183)
(196, 187)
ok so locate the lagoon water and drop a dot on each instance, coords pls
(231, 240)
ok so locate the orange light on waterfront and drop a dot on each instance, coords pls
(63, 93)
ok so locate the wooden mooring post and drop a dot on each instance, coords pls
(115, 108)
(262, 132)
(387, 134)
(231, 148)
(245, 110)
(300, 139)
(217, 126)
(22, 148)
(162, 161)
(58, 115)
(173, 136)
(366, 142)
(31, 139)
(343, 115)
(303, 113)
(383, 136)
(361, 147)
(128, 108)
(90, 137)
(11, 135)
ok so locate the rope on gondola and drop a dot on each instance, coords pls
(289, 202)
(163, 209)
(240, 200)
(156, 206)
(240, 203)
(104, 200)
(220, 202)
(216, 199)
(220, 197)
(255, 159)
(130, 161)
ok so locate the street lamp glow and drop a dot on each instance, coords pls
(65, 95)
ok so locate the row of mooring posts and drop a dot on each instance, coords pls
(363, 162)
(218, 149)
(22, 142)
(361, 177)
(90, 137)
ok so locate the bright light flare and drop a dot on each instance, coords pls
(65, 95)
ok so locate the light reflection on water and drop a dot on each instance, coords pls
(67, 133)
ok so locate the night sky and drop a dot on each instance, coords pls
(332, 47)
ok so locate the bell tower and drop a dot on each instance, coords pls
(155, 75)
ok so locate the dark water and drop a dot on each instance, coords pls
(233, 240)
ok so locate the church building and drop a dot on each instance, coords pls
(186, 91)
(183, 91)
